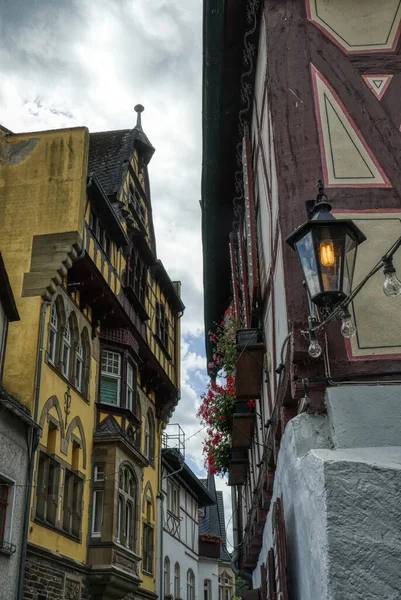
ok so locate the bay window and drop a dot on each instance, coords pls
(97, 513)
(110, 380)
(130, 387)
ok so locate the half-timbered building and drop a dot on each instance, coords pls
(296, 92)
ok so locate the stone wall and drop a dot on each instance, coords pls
(48, 578)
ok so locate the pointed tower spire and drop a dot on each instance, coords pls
(138, 108)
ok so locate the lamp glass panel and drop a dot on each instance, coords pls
(350, 259)
(306, 252)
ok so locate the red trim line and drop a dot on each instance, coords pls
(315, 75)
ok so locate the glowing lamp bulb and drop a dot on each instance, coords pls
(326, 253)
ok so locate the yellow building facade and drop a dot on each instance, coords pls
(94, 357)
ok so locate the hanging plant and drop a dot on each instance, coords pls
(218, 403)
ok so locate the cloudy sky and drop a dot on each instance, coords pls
(79, 62)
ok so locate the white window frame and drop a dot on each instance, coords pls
(79, 360)
(190, 585)
(129, 509)
(207, 589)
(53, 334)
(93, 532)
(98, 469)
(129, 399)
(8, 525)
(67, 350)
(111, 375)
(120, 503)
(148, 435)
(177, 580)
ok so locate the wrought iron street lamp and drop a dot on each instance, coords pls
(327, 250)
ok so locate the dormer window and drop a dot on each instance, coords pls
(100, 233)
(135, 201)
(162, 324)
(137, 278)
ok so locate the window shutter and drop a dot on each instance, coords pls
(250, 222)
(244, 282)
(108, 390)
(263, 583)
(271, 576)
(280, 550)
(234, 276)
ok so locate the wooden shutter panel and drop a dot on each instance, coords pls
(271, 576)
(244, 282)
(234, 277)
(280, 550)
(250, 221)
(263, 583)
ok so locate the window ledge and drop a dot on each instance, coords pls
(64, 378)
(59, 530)
(7, 548)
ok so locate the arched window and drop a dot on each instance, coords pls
(79, 365)
(166, 576)
(207, 589)
(127, 498)
(177, 583)
(190, 585)
(150, 436)
(53, 334)
(66, 353)
(86, 358)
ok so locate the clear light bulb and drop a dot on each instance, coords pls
(326, 253)
(314, 349)
(348, 329)
(392, 285)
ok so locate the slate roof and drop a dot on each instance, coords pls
(21, 411)
(213, 521)
(110, 151)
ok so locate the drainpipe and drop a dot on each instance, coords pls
(235, 556)
(32, 442)
(161, 521)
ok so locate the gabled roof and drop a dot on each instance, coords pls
(213, 521)
(111, 151)
(108, 153)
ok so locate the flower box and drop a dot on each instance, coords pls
(238, 467)
(250, 350)
(209, 547)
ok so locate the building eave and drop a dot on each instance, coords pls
(224, 28)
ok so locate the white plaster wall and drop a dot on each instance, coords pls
(178, 552)
(342, 503)
(208, 569)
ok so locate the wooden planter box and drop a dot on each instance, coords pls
(209, 548)
(243, 425)
(238, 467)
(250, 350)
